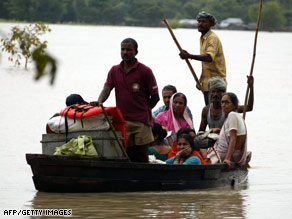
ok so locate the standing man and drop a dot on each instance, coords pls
(211, 53)
(167, 92)
(136, 94)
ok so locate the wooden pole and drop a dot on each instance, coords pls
(254, 55)
(180, 49)
(114, 131)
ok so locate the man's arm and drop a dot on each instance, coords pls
(153, 100)
(250, 103)
(204, 122)
(104, 94)
(204, 58)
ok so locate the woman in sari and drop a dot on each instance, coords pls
(187, 152)
(158, 148)
(176, 116)
(232, 143)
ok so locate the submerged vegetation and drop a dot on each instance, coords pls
(24, 42)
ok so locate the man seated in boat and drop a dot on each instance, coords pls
(187, 152)
(232, 143)
(167, 92)
(136, 93)
(212, 114)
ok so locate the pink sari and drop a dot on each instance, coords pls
(168, 120)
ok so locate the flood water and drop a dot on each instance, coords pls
(85, 54)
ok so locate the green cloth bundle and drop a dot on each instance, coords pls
(82, 146)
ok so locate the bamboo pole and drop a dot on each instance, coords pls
(254, 55)
(114, 131)
(180, 49)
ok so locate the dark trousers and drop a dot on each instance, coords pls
(138, 153)
(206, 97)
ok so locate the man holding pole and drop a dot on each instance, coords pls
(211, 53)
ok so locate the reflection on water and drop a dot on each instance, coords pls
(220, 203)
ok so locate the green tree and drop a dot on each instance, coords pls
(272, 17)
(50, 11)
(23, 41)
(115, 13)
(70, 11)
(191, 9)
(253, 11)
(18, 9)
(154, 15)
(286, 5)
(3, 9)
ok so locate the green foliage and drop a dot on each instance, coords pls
(191, 9)
(253, 11)
(139, 12)
(174, 24)
(45, 64)
(23, 40)
(272, 17)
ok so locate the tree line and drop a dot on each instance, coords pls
(276, 14)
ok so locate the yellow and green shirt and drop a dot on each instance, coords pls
(210, 44)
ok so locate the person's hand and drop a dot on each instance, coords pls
(198, 87)
(201, 80)
(185, 152)
(228, 162)
(94, 103)
(250, 80)
(215, 130)
(184, 54)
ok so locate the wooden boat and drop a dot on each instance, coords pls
(53, 173)
(111, 172)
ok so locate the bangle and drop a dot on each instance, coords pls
(177, 157)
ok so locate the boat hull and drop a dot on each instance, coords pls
(84, 174)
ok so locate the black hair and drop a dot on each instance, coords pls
(181, 95)
(184, 130)
(190, 140)
(170, 87)
(158, 130)
(233, 98)
(132, 41)
(75, 99)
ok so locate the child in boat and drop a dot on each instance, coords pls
(158, 148)
(187, 152)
